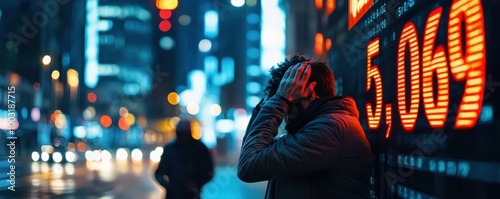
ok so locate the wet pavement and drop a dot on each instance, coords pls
(118, 179)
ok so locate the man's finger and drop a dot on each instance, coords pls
(293, 72)
(300, 70)
(305, 76)
(287, 73)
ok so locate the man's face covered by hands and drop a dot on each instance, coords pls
(294, 87)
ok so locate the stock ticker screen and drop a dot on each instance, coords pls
(426, 78)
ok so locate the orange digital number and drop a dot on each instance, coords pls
(409, 39)
(467, 64)
(373, 73)
(434, 63)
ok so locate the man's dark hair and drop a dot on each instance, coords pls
(321, 74)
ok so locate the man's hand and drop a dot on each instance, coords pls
(294, 86)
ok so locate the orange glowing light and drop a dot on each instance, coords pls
(408, 39)
(373, 73)
(167, 4)
(388, 119)
(434, 63)
(468, 66)
(318, 3)
(330, 6)
(105, 121)
(318, 44)
(122, 124)
(81, 146)
(356, 10)
(328, 44)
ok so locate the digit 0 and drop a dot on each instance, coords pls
(408, 39)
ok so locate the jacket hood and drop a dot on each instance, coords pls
(344, 104)
(324, 105)
(183, 130)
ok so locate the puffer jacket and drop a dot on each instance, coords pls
(325, 153)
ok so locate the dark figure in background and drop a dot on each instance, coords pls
(324, 153)
(185, 165)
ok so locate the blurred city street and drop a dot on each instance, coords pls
(118, 179)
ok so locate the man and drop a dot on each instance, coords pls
(185, 165)
(324, 154)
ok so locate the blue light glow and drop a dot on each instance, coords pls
(211, 24)
(79, 132)
(253, 18)
(272, 35)
(24, 113)
(224, 126)
(211, 63)
(253, 87)
(92, 45)
(253, 70)
(252, 101)
(104, 25)
(253, 35)
(253, 53)
(486, 113)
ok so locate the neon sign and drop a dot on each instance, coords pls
(357, 8)
(465, 62)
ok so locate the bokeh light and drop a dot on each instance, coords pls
(174, 121)
(35, 114)
(122, 124)
(35, 156)
(123, 112)
(92, 97)
(55, 74)
(105, 121)
(45, 156)
(184, 20)
(215, 110)
(130, 119)
(167, 4)
(70, 156)
(46, 60)
(205, 45)
(142, 121)
(193, 109)
(173, 98)
(121, 154)
(136, 155)
(165, 14)
(57, 157)
(72, 78)
(238, 3)
(165, 25)
(106, 156)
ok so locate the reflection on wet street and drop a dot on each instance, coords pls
(124, 179)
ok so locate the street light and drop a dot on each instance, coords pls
(73, 78)
(46, 60)
(55, 74)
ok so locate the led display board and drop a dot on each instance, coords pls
(426, 78)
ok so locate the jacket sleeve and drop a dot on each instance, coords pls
(163, 170)
(207, 167)
(310, 150)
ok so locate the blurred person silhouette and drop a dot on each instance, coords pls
(185, 165)
(324, 152)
